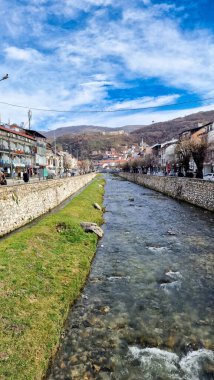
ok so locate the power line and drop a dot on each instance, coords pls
(105, 111)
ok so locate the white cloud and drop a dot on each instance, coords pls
(145, 102)
(14, 53)
(146, 2)
(52, 66)
(121, 119)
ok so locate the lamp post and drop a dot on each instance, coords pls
(6, 76)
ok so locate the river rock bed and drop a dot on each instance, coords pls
(147, 309)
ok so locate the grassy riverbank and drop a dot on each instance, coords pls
(42, 271)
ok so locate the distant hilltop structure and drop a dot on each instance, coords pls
(122, 132)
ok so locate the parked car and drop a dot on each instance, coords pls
(159, 174)
(51, 174)
(209, 177)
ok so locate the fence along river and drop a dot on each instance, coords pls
(146, 312)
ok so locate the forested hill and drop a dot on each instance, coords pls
(84, 140)
(160, 132)
(86, 145)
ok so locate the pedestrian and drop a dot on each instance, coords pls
(25, 176)
(3, 180)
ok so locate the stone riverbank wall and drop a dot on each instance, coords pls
(20, 204)
(195, 191)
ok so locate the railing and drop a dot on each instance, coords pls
(16, 152)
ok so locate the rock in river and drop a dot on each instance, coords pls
(97, 206)
(92, 227)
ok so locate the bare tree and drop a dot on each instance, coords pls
(148, 162)
(199, 150)
(183, 152)
(67, 162)
(125, 167)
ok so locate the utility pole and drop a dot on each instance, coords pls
(54, 141)
(29, 118)
(56, 168)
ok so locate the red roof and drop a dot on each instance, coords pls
(17, 133)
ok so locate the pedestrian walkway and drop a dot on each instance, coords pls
(15, 181)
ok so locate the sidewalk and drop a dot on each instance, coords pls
(15, 181)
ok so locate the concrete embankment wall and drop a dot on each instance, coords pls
(20, 204)
(195, 191)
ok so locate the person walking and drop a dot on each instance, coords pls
(25, 176)
(3, 180)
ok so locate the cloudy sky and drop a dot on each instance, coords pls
(87, 55)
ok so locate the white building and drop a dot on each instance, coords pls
(167, 152)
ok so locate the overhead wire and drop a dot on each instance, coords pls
(104, 110)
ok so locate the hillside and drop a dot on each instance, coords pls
(75, 129)
(81, 129)
(84, 140)
(160, 132)
(93, 145)
(151, 133)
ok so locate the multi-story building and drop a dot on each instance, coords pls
(168, 157)
(202, 132)
(17, 149)
(40, 150)
(51, 159)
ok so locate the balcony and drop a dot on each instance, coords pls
(17, 152)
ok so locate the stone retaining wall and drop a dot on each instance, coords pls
(195, 191)
(20, 204)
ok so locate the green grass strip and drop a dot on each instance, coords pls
(42, 271)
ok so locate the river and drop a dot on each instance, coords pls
(146, 312)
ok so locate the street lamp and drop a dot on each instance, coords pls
(6, 76)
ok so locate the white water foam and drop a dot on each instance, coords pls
(157, 249)
(116, 278)
(192, 363)
(171, 286)
(155, 362)
(174, 275)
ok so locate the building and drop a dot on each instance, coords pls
(40, 150)
(203, 132)
(114, 133)
(208, 134)
(52, 159)
(17, 149)
(168, 157)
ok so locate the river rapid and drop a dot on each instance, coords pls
(146, 312)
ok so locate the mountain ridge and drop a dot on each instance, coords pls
(163, 131)
(153, 133)
(82, 129)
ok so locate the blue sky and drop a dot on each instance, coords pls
(80, 55)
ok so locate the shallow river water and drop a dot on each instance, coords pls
(146, 312)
